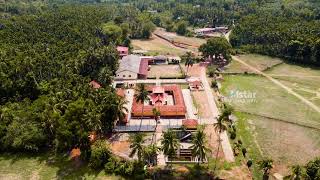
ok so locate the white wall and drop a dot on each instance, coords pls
(126, 75)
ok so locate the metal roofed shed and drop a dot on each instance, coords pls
(160, 59)
(174, 59)
(132, 67)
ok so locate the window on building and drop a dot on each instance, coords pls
(123, 75)
(129, 75)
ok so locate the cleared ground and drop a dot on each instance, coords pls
(165, 71)
(15, 166)
(302, 80)
(156, 45)
(202, 104)
(195, 42)
(260, 62)
(286, 143)
(281, 126)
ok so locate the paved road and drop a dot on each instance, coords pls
(129, 98)
(189, 103)
(226, 147)
(151, 81)
(289, 90)
(161, 158)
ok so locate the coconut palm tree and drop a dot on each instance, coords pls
(220, 126)
(136, 146)
(227, 110)
(156, 114)
(189, 60)
(150, 154)
(121, 110)
(297, 173)
(169, 143)
(266, 165)
(141, 96)
(199, 148)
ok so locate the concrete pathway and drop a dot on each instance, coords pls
(148, 125)
(129, 98)
(189, 103)
(289, 90)
(160, 157)
(226, 147)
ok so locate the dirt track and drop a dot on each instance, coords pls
(289, 90)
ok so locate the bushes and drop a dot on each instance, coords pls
(132, 169)
(100, 154)
(214, 84)
(211, 70)
(313, 169)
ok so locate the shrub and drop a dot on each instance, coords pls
(244, 152)
(249, 163)
(100, 154)
(233, 135)
(313, 168)
(132, 169)
(214, 84)
(211, 71)
(111, 165)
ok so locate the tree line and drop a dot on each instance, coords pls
(289, 32)
(179, 15)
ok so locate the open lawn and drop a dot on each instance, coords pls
(258, 61)
(165, 71)
(266, 99)
(22, 166)
(302, 80)
(281, 125)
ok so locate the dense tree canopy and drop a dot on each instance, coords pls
(47, 60)
(216, 48)
(289, 31)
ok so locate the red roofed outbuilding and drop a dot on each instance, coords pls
(190, 123)
(123, 51)
(95, 84)
(120, 92)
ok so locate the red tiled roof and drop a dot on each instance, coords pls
(122, 48)
(143, 67)
(120, 92)
(157, 99)
(95, 84)
(178, 109)
(190, 123)
(75, 153)
(158, 89)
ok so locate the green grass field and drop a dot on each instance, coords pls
(274, 123)
(270, 100)
(303, 80)
(165, 71)
(260, 62)
(23, 166)
(287, 144)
